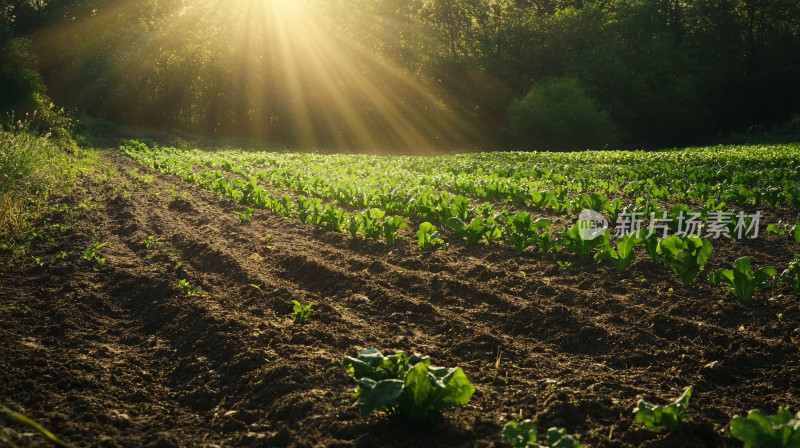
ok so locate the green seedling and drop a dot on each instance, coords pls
(623, 255)
(669, 417)
(791, 276)
(759, 430)
(742, 281)
(246, 216)
(91, 254)
(564, 265)
(187, 289)
(300, 313)
(524, 435)
(776, 229)
(574, 241)
(371, 225)
(428, 238)
(152, 243)
(390, 227)
(15, 417)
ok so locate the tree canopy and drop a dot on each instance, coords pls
(412, 73)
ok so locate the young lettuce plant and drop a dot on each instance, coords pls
(524, 435)
(390, 227)
(300, 313)
(650, 241)
(428, 238)
(406, 385)
(574, 241)
(371, 225)
(246, 216)
(333, 219)
(353, 225)
(743, 282)
(687, 256)
(667, 417)
(91, 253)
(623, 255)
(187, 289)
(472, 232)
(791, 276)
(759, 430)
(522, 230)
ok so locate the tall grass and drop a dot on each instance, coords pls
(30, 167)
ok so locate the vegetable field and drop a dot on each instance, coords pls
(607, 298)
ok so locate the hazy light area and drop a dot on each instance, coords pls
(248, 56)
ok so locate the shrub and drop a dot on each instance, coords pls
(558, 114)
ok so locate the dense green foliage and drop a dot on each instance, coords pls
(31, 168)
(558, 113)
(660, 72)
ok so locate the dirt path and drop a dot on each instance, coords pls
(117, 355)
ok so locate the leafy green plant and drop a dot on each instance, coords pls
(796, 233)
(333, 219)
(522, 231)
(669, 417)
(759, 430)
(428, 238)
(472, 232)
(564, 265)
(650, 241)
(390, 227)
(91, 253)
(623, 255)
(575, 242)
(776, 229)
(791, 276)
(151, 243)
(687, 256)
(406, 385)
(267, 239)
(371, 225)
(187, 289)
(309, 211)
(353, 225)
(300, 313)
(743, 282)
(244, 217)
(15, 417)
(524, 435)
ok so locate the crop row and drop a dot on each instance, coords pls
(686, 255)
(688, 176)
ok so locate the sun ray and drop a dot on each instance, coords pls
(273, 69)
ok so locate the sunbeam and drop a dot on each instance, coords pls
(272, 69)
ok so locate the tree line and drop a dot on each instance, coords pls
(514, 74)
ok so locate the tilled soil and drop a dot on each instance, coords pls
(118, 355)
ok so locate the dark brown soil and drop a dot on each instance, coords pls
(116, 355)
